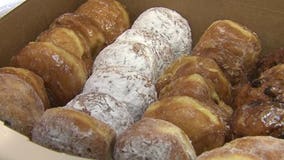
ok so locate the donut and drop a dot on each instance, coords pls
(22, 99)
(84, 27)
(153, 139)
(234, 47)
(248, 148)
(131, 88)
(202, 122)
(104, 108)
(109, 15)
(170, 25)
(64, 74)
(160, 47)
(206, 67)
(75, 133)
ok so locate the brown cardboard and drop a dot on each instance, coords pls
(22, 25)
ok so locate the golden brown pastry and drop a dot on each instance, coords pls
(206, 67)
(248, 148)
(197, 87)
(260, 108)
(34, 80)
(22, 99)
(153, 139)
(84, 27)
(75, 133)
(202, 123)
(68, 40)
(234, 47)
(64, 74)
(109, 15)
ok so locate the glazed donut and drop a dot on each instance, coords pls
(64, 74)
(68, 40)
(109, 15)
(170, 25)
(203, 123)
(132, 56)
(153, 139)
(136, 90)
(104, 108)
(248, 148)
(159, 46)
(84, 27)
(234, 47)
(22, 99)
(206, 67)
(75, 133)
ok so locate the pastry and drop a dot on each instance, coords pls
(104, 108)
(153, 139)
(22, 99)
(248, 148)
(170, 25)
(234, 47)
(160, 47)
(206, 67)
(131, 88)
(74, 133)
(68, 40)
(64, 74)
(202, 122)
(84, 27)
(109, 15)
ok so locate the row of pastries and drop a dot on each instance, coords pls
(91, 87)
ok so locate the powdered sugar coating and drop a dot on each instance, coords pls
(132, 88)
(171, 25)
(153, 139)
(160, 46)
(134, 56)
(104, 108)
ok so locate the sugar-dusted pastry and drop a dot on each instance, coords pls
(202, 122)
(131, 88)
(64, 74)
(109, 15)
(70, 41)
(132, 56)
(206, 67)
(170, 25)
(234, 47)
(104, 108)
(84, 27)
(22, 99)
(74, 133)
(153, 139)
(160, 47)
(248, 148)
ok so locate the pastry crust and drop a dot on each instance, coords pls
(20, 104)
(170, 25)
(68, 40)
(234, 47)
(64, 74)
(84, 27)
(248, 148)
(104, 108)
(34, 80)
(109, 15)
(187, 65)
(153, 139)
(201, 122)
(75, 133)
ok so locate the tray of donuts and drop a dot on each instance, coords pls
(98, 86)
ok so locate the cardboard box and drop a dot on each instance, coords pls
(22, 25)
